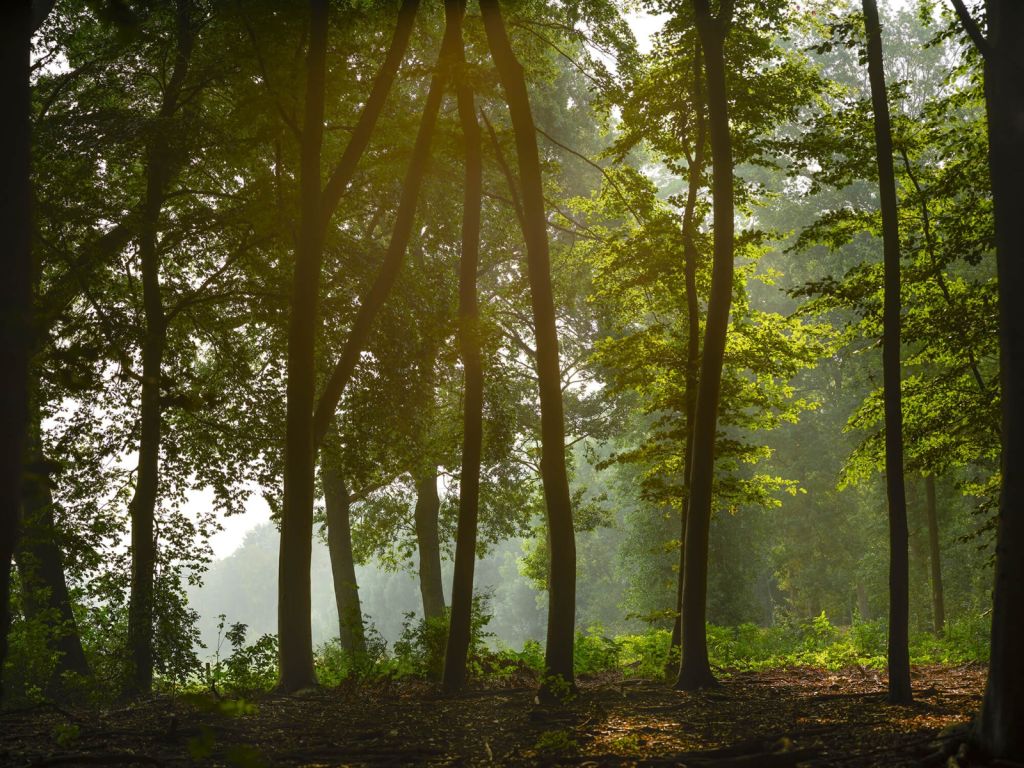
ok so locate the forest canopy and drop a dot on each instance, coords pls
(667, 339)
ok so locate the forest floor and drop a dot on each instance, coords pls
(782, 717)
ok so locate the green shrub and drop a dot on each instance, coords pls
(593, 652)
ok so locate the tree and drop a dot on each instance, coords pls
(303, 432)
(695, 670)
(457, 647)
(558, 654)
(16, 291)
(998, 728)
(899, 566)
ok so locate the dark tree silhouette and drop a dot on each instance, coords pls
(457, 648)
(998, 728)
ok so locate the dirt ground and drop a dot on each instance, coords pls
(783, 717)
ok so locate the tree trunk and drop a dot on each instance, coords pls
(15, 288)
(428, 507)
(999, 726)
(562, 571)
(694, 177)
(695, 669)
(457, 649)
(41, 566)
(294, 602)
(934, 555)
(899, 562)
(343, 566)
(142, 509)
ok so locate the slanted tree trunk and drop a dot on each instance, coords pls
(695, 668)
(899, 560)
(343, 566)
(998, 728)
(401, 233)
(41, 565)
(142, 508)
(694, 177)
(16, 285)
(428, 508)
(558, 659)
(934, 555)
(457, 648)
(295, 652)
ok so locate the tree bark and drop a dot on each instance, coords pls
(690, 254)
(899, 560)
(998, 727)
(142, 508)
(562, 570)
(343, 566)
(16, 286)
(294, 602)
(457, 648)
(934, 555)
(428, 507)
(695, 668)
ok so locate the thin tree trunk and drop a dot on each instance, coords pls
(142, 509)
(690, 254)
(899, 561)
(41, 565)
(695, 668)
(999, 725)
(562, 570)
(428, 507)
(457, 649)
(294, 602)
(934, 555)
(343, 566)
(16, 286)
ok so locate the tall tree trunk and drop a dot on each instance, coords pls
(428, 508)
(899, 561)
(343, 566)
(457, 649)
(16, 286)
(558, 659)
(142, 508)
(999, 726)
(294, 602)
(695, 669)
(143, 505)
(694, 176)
(41, 565)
